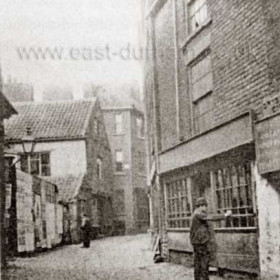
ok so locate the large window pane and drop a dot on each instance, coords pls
(234, 192)
(178, 204)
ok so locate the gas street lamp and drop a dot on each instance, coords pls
(28, 142)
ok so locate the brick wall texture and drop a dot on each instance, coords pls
(245, 61)
(130, 199)
(97, 146)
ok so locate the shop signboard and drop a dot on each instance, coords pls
(268, 141)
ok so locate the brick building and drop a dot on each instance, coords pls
(72, 151)
(124, 120)
(125, 128)
(212, 101)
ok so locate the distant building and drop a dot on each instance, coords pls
(124, 121)
(125, 128)
(72, 151)
(55, 93)
(18, 91)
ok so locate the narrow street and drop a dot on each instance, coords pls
(126, 257)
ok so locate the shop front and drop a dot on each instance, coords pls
(218, 165)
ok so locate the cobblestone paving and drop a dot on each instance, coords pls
(114, 258)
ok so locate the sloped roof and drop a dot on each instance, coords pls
(68, 186)
(50, 120)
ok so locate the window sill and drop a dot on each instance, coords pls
(119, 173)
(236, 230)
(178, 229)
(118, 134)
(195, 33)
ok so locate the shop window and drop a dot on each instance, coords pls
(197, 14)
(36, 164)
(233, 189)
(179, 209)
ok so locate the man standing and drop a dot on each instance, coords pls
(86, 228)
(200, 237)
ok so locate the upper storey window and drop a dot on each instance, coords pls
(197, 14)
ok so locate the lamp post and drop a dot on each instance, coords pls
(28, 144)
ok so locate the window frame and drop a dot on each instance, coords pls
(188, 17)
(206, 54)
(196, 117)
(178, 203)
(226, 190)
(29, 160)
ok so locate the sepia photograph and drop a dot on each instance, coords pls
(140, 139)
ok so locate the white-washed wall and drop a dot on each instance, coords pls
(59, 223)
(268, 201)
(66, 157)
(51, 224)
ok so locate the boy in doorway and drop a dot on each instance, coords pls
(200, 237)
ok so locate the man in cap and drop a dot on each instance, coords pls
(86, 228)
(200, 237)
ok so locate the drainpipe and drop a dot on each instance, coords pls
(176, 69)
(156, 129)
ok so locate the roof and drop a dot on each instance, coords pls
(6, 108)
(50, 120)
(68, 186)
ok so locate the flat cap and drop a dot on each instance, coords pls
(201, 201)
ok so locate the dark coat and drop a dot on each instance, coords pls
(201, 230)
(86, 226)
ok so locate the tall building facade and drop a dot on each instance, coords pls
(212, 102)
(125, 129)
